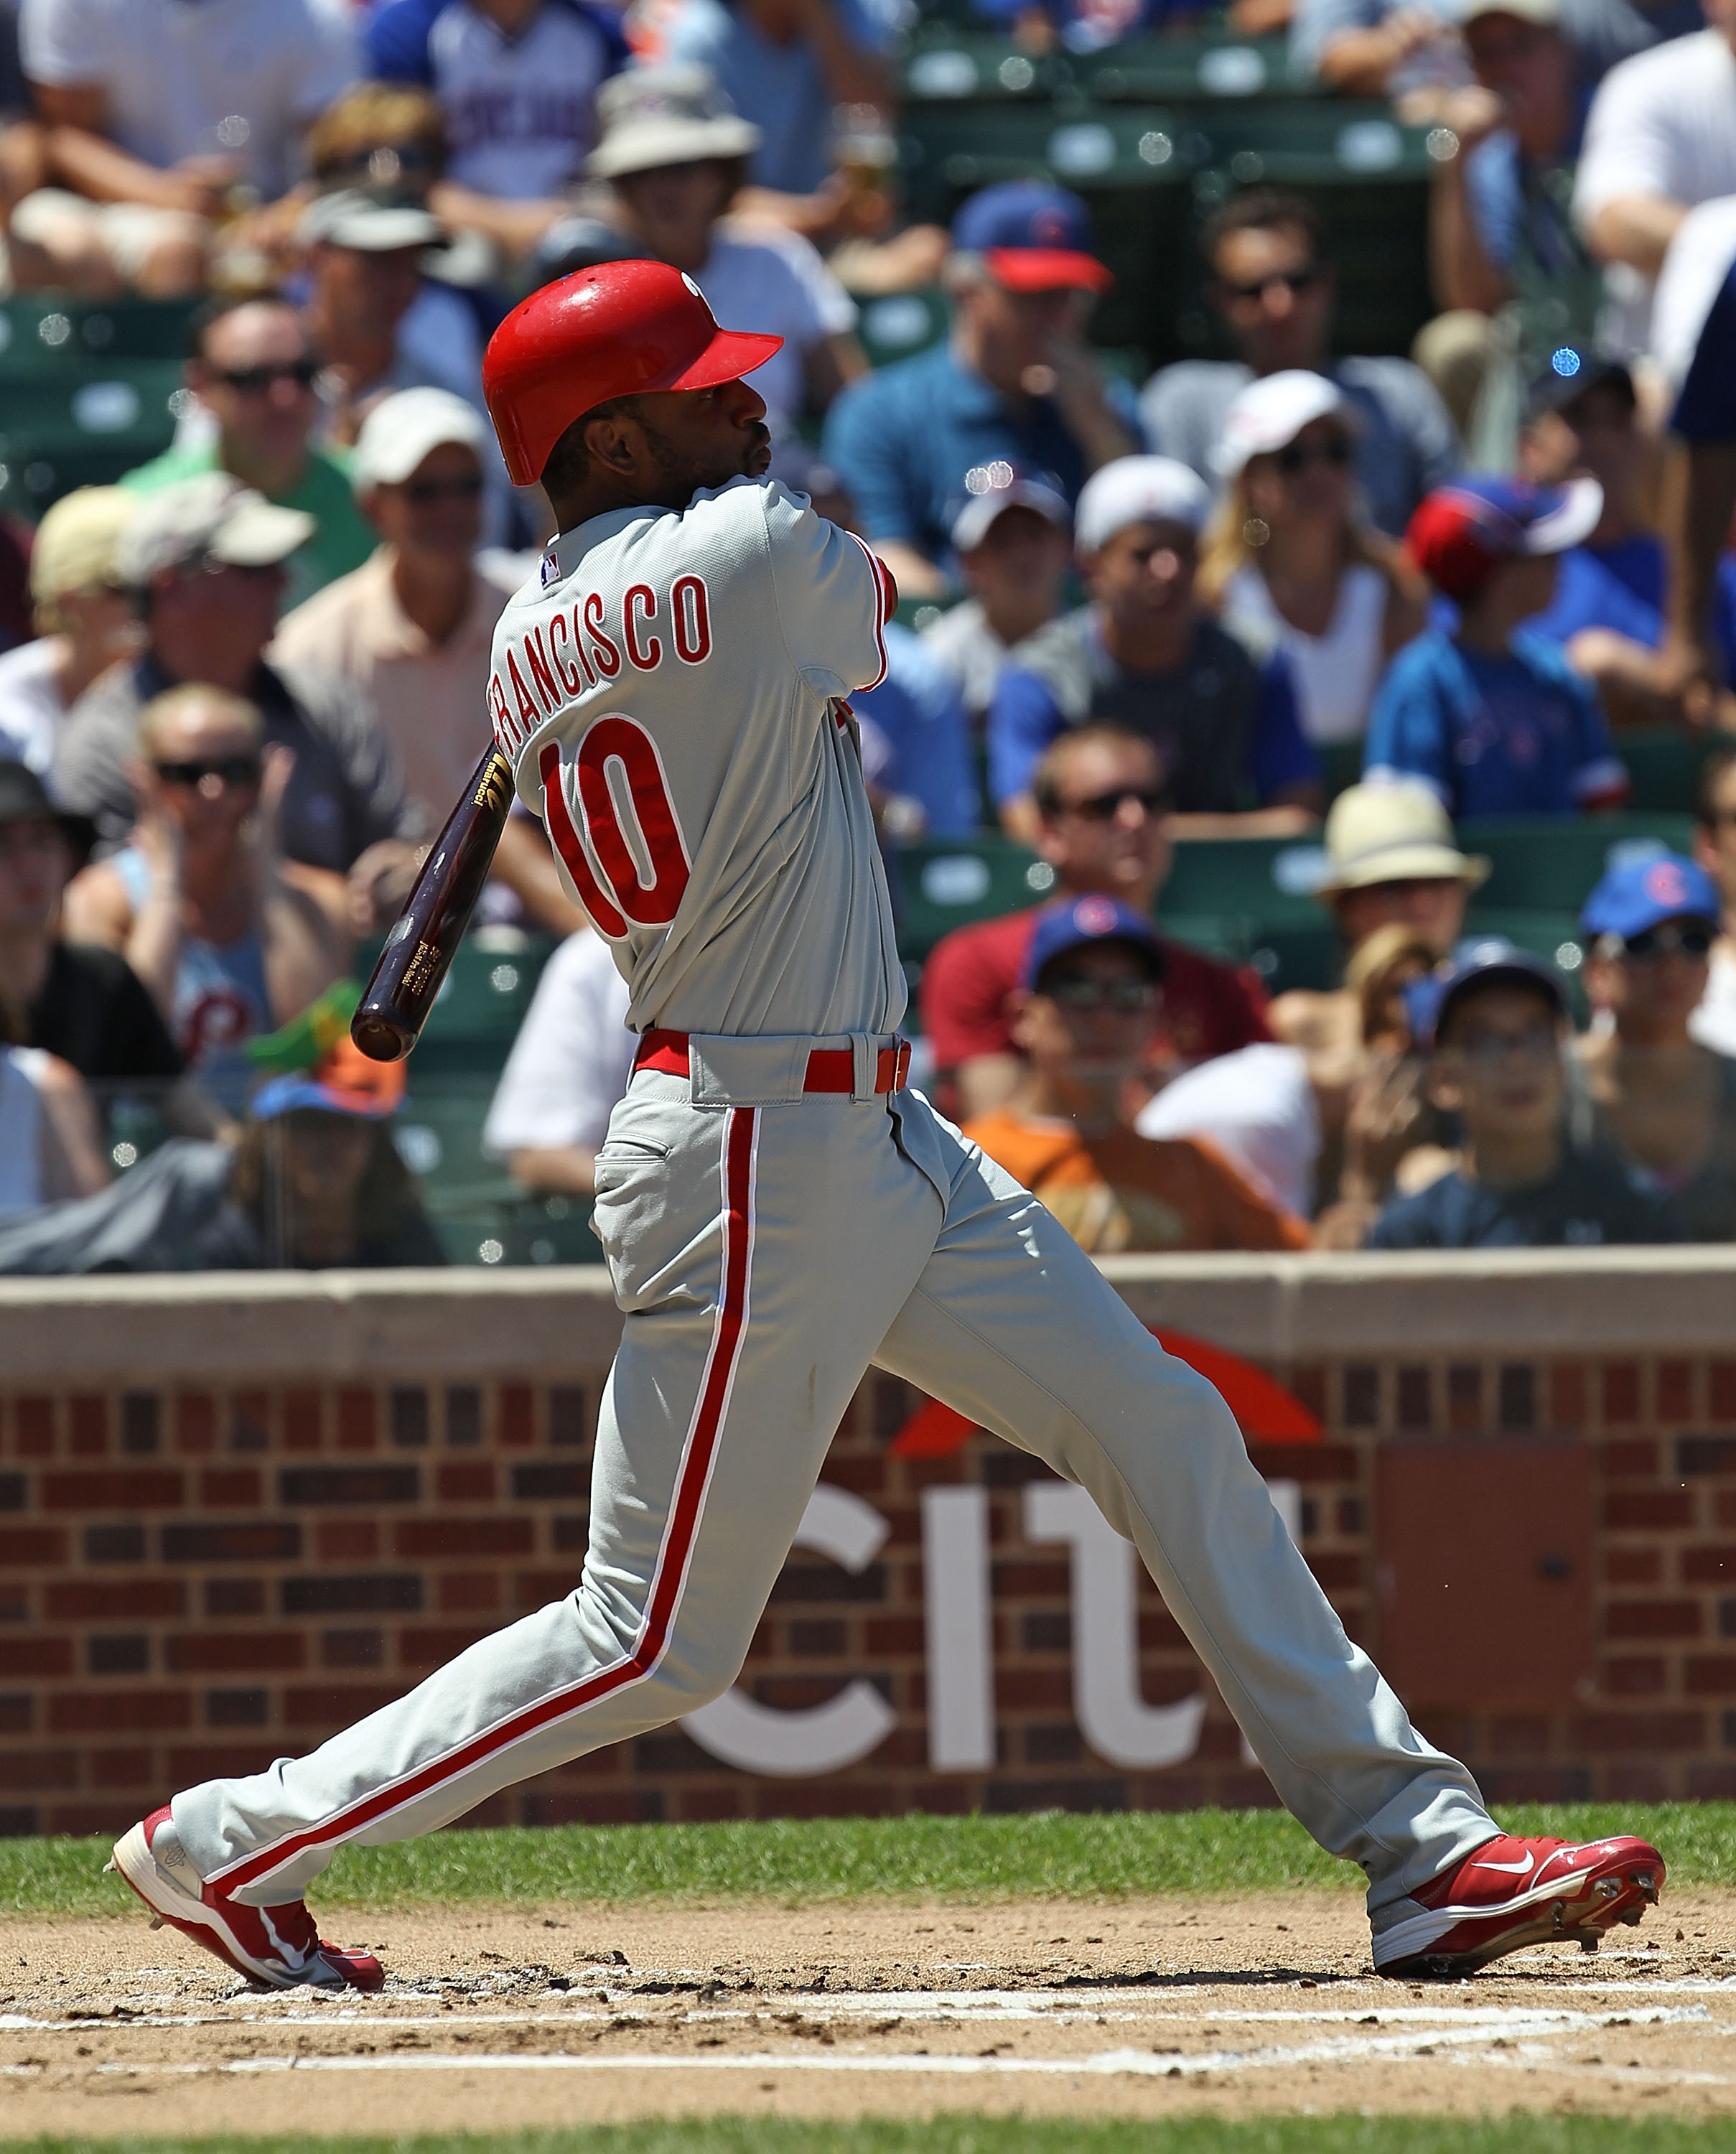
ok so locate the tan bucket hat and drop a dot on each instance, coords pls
(1394, 832)
(666, 115)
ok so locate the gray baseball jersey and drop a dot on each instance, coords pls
(671, 700)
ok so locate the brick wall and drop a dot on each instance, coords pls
(232, 1519)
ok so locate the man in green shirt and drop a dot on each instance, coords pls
(253, 370)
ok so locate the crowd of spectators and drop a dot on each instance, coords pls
(1289, 593)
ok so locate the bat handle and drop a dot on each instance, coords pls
(412, 967)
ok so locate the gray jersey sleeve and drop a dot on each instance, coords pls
(833, 596)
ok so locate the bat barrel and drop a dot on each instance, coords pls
(412, 967)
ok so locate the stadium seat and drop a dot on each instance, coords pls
(1664, 763)
(1267, 880)
(1209, 69)
(1548, 863)
(950, 65)
(477, 1013)
(941, 884)
(41, 335)
(898, 325)
(85, 424)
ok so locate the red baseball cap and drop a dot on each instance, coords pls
(618, 329)
(1034, 238)
(1461, 533)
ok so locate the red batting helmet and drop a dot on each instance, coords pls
(617, 329)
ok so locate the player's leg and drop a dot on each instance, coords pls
(760, 1269)
(1012, 1324)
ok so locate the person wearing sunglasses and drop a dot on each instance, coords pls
(196, 901)
(251, 373)
(1269, 281)
(410, 630)
(1493, 1022)
(1288, 554)
(1088, 1002)
(1666, 1102)
(203, 561)
(1102, 802)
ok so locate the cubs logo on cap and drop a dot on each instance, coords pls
(1640, 891)
(1034, 238)
(1093, 918)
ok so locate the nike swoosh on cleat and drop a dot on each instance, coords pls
(1512, 1869)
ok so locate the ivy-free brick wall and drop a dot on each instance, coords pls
(233, 1519)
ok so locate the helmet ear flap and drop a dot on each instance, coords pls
(616, 329)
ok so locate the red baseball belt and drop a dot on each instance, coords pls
(830, 1069)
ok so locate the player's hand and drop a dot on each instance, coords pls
(156, 832)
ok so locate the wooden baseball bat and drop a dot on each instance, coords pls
(418, 952)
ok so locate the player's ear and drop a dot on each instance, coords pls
(613, 441)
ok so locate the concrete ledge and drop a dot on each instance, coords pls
(481, 1323)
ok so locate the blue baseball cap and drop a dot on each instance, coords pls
(1083, 920)
(1635, 894)
(1034, 238)
(1480, 960)
(1462, 532)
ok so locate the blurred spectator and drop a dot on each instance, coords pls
(1490, 716)
(674, 154)
(365, 261)
(1091, 26)
(1715, 1022)
(1144, 654)
(85, 621)
(569, 1066)
(205, 558)
(1288, 557)
(1395, 877)
(784, 65)
(1015, 383)
(317, 1179)
(1100, 801)
(1402, 49)
(1660, 139)
(161, 121)
(51, 1148)
(1270, 283)
(1091, 988)
(1608, 611)
(84, 1005)
(195, 902)
(1257, 1106)
(917, 758)
(1013, 538)
(1665, 1102)
(412, 630)
(519, 82)
(1494, 1023)
(1498, 219)
(253, 372)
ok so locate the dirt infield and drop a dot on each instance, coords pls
(495, 2016)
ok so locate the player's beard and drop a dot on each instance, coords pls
(683, 476)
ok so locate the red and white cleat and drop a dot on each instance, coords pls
(279, 1946)
(1511, 1893)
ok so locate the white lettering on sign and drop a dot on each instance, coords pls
(958, 1629)
(787, 1744)
(1112, 1716)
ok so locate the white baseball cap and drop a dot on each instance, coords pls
(1139, 490)
(347, 217)
(209, 517)
(400, 430)
(1394, 831)
(1269, 413)
(992, 488)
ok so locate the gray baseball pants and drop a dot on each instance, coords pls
(767, 1248)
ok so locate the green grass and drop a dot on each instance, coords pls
(968, 2135)
(1049, 1855)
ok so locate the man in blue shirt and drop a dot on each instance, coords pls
(1494, 1020)
(1221, 716)
(1491, 717)
(1014, 384)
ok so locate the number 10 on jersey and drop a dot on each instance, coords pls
(626, 855)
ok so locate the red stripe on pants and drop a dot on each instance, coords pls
(667, 1579)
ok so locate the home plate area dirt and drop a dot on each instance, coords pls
(494, 2017)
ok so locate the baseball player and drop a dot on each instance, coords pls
(780, 1212)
